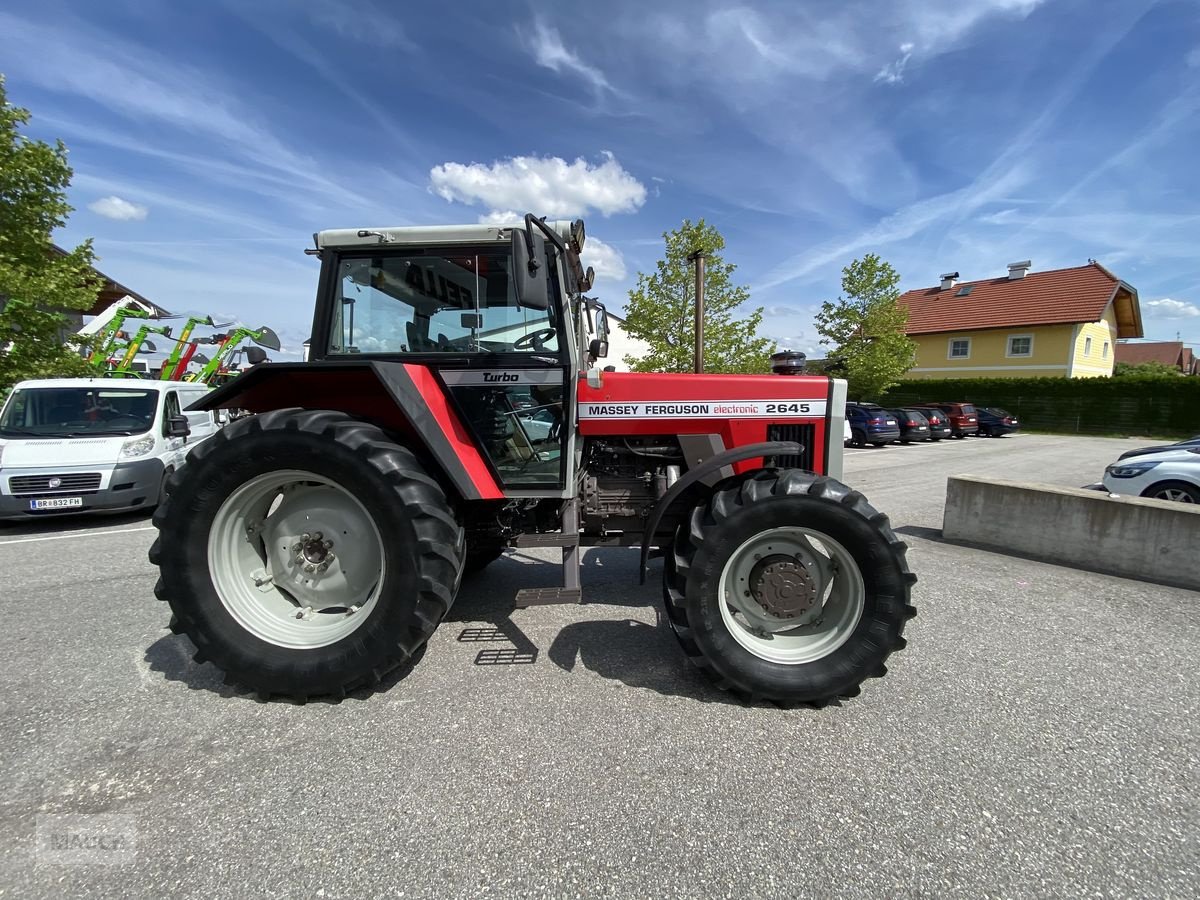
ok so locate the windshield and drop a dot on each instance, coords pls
(436, 303)
(68, 411)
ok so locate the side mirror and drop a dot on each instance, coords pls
(529, 269)
(178, 427)
(598, 349)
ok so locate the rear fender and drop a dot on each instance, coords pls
(405, 400)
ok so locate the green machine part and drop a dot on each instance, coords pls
(132, 348)
(263, 336)
(185, 335)
(106, 338)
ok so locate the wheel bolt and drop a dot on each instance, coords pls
(328, 544)
(317, 536)
(296, 547)
(306, 537)
(309, 567)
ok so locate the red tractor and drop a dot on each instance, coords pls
(454, 404)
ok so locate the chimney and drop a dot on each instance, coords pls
(948, 280)
(1018, 269)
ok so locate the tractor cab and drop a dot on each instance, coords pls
(496, 314)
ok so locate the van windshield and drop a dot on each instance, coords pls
(70, 411)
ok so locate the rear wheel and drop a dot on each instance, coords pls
(788, 587)
(305, 554)
(1179, 491)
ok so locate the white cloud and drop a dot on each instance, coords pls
(501, 217)
(1193, 58)
(364, 23)
(782, 311)
(121, 210)
(548, 186)
(1167, 308)
(893, 73)
(605, 259)
(549, 52)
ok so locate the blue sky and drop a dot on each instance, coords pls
(210, 140)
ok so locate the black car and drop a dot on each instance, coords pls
(913, 425)
(939, 425)
(996, 422)
(1181, 445)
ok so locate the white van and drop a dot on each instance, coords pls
(71, 445)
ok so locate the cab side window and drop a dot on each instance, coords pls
(170, 410)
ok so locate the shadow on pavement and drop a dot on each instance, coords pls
(171, 656)
(635, 653)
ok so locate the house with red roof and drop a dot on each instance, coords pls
(1062, 323)
(1170, 353)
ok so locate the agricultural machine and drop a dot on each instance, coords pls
(137, 344)
(456, 404)
(109, 333)
(184, 352)
(218, 368)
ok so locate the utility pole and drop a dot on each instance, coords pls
(698, 257)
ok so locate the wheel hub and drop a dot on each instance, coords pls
(782, 587)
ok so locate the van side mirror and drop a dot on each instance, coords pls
(178, 427)
(529, 269)
(598, 349)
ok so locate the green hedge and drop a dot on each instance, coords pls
(1129, 405)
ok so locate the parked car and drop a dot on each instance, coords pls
(76, 445)
(996, 422)
(939, 425)
(1181, 445)
(913, 425)
(871, 424)
(963, 417)
(1167, 475)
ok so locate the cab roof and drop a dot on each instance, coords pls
(428, 234)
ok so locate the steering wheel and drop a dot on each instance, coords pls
(535, 340)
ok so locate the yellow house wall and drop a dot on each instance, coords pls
(1095, 364)
(1051, 356)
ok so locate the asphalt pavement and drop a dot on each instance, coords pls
(1038, 737)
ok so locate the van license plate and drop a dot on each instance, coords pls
(57, 503)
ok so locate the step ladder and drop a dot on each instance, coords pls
(568, 540)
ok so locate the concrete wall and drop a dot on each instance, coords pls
(1152, 540)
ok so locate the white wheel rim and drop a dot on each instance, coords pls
(1175, 494)
(296, 559)
(829, 571)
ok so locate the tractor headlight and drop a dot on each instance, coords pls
(136, 447)
(1129, 470)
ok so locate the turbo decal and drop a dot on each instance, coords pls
(706, 409)
(509, 376)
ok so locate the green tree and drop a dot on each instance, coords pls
(865, 328)
(1145, 370)
(662, 310)
(37, 284)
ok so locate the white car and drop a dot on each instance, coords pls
(76, 445)
(1167, 475)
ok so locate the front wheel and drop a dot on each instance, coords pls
(788, 586)
(1179, 491)
(305, 554)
